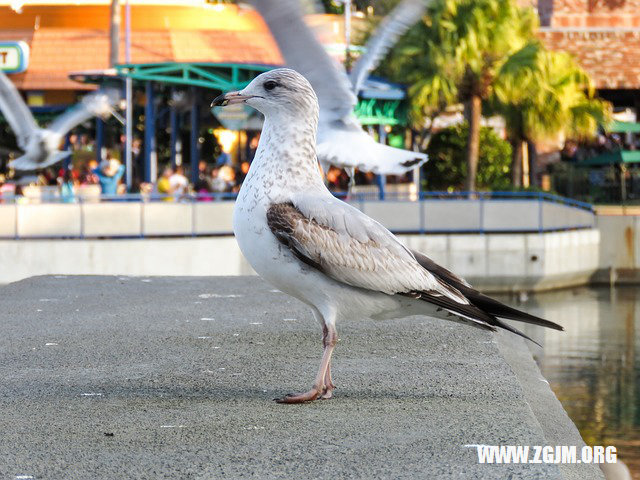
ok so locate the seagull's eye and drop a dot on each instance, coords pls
(270, 85)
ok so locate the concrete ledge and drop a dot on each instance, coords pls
(108, 377)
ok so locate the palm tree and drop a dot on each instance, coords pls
(544, 95)
(456, 54)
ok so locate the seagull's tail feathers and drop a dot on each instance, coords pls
(360, 151)
(488, 306)
(469, 314)
(27, 162)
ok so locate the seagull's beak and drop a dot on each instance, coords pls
(229, 99)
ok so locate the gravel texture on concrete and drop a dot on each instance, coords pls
(121, 377)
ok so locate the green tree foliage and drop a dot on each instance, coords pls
(447, 168)
(454, 54)
(544, 96)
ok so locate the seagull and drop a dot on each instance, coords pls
(40, 145)
(341, 140)
(326, 253)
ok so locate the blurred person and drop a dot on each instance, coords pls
(109, 173)
(203, 190)
(242, 173)
(224, 158)
(228, 174)
(66, 187)
(253, 146)
(164, 185)
(202, 168)
(7, 189)
(218, 184)
(178, 183)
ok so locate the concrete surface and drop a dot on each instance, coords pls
(619, 248)
(492, 262)
(120, 377)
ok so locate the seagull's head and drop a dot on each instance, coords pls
(276, 92)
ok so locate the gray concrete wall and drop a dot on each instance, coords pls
(619, 249)
(515, 262)
(494, 262)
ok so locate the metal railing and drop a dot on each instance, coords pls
(136, 215)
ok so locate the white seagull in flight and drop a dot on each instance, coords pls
(40, 145)
(341, 140)
(323, 251)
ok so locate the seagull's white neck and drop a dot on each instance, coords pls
(286, 155)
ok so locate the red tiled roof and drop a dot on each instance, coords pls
(55, 52)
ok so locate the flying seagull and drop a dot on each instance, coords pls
(341, 140)
(323, 251)
(40, 145)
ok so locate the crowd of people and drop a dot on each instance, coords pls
(83, 175)
(214, 181)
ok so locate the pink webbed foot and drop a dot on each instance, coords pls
(308, 396)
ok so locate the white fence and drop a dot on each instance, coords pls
(130, 217)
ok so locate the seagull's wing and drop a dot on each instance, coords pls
(16, 112)
(349, 247)
(346, 145)
(96, 104)
(27, 162)
(403, 17)
(352, 248)
(302, 52)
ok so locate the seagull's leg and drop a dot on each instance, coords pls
(327, 393)
(318, 389)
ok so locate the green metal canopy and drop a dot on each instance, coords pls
(612, 158)
(235, 76)
(624, 127)
(217, 76)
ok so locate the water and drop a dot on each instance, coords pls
(594, 366)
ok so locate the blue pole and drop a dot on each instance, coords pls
(173, 126)
(149, 135)
(381, 181)
(67, 143)
(195, 145)
(99, 139)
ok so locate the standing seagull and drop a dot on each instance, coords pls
(40, 145)
(333, 257)
(341, 140)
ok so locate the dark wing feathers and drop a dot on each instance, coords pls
(281, 219)
(481, 311)
(487, 304)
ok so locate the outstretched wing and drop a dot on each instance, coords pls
(16, 112)
(29, 162)
(405, 15)
(346, 145)
(302, 52)
(96, 104)
(351, 248)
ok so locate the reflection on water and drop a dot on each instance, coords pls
(594, 366)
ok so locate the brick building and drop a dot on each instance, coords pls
(604, 36)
